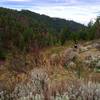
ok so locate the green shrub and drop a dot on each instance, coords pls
(2, 55)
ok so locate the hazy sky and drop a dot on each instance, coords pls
(78, 10)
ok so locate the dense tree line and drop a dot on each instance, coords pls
(26, 31)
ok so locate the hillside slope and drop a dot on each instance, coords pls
(26, 30)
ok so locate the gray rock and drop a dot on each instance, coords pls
(83, 49)
(71, 64)
(69, 54)
(98, 64)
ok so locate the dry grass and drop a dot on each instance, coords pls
(50, 80)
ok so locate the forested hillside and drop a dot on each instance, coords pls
(26, 30)
(44, 58)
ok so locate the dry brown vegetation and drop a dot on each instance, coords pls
(50, 74)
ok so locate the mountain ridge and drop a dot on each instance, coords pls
(26, 29)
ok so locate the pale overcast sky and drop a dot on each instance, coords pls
(78, 10)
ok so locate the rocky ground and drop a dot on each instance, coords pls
(59, 73)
